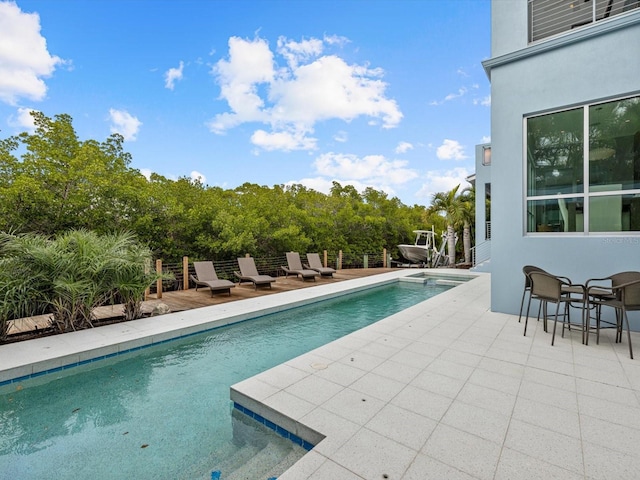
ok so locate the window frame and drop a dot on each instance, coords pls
(589, 191)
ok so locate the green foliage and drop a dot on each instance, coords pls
(72, 274)
(61, 183)
(458, 210)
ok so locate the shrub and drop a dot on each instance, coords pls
(72, 274)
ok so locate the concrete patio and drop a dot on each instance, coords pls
(449, 390)
(443, 390)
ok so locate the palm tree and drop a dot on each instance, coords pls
(468, 212)
(449, 204)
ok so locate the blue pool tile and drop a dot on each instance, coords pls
(276, 428)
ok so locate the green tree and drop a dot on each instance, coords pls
(467, 216)
(61, 182)
(448, 204)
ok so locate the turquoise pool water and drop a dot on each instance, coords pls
(164, 412)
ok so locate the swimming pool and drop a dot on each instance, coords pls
(166, 409)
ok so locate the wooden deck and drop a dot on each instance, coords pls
(188, 299)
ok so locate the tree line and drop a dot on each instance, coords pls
(51, 182)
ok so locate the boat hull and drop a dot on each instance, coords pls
(414, 253)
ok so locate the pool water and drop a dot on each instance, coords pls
(164, 412)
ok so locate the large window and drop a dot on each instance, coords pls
(583, 169)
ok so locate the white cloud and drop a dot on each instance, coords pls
(462, 92)
(319, 184)
(285, 141)
(451, 150)
(336, 40)
(291, 99)
(485, 102)
(404, 147)
(296, 52)
(124, 123)
(341, 136)
(443, 181)
(195, 175)
(23, 119)
(373, 171)
(24, 58)
(250, 64)
(146, 173)
(486, 139)
(172, 75)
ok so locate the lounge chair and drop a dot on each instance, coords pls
(249, 273)
(316, 264)
(206, 277)
(295, 267)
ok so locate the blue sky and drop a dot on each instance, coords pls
(389, 94)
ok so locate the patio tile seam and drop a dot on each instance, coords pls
(542, 461)
(555, 434)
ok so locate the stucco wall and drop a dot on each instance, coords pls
(483, 176)
(508, 31)
(593, 69)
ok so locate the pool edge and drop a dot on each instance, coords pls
(31, 358)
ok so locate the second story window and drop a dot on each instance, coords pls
(550, 17)
(583, 169)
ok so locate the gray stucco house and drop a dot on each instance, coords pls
(564, 178)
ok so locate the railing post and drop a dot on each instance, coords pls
(365, 261)
(339, 260)
(325, 258)
(384, 258)
(159, 281)
(185, 273)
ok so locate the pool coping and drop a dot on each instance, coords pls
(252, 396)
(454, 390)
(31, 358)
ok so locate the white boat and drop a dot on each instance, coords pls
(422, 249)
